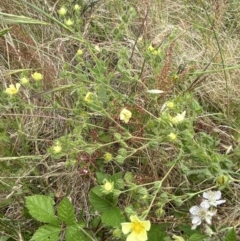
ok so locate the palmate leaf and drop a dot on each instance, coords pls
(231, 235)
(41, 208)
(46, 232)
(113, 217)
(66, 211)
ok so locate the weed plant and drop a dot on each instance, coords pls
(119, 120)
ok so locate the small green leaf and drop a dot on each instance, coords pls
(41, 208)
(66, 211)
(113, 217)
(74, 233)
(231, 235)
(46, 232)
(100, 204)
(197, 237)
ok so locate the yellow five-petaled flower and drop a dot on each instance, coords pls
(125, 115)
(11, 90)
(137, 228)
(37, 76)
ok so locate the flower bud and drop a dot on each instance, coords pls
(108, 157)
(24, 80)
(62, 11)
(107, 187)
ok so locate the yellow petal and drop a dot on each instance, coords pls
(132, 237)
(146, 225)
(18, 86)
(142, 236)
(126, 227)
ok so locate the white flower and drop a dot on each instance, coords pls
(178, 118)
(213, 198)
(201, 213)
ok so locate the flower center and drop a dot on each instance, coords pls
(108, 186)
(137, 227)
(202, 213)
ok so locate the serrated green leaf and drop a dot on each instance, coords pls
(156, 233)
(113, 217)
(41, 208)
(197, 237)
(115, 177)
(66, 211)
(46, 232)
(74, 233)
(231, 235)
(100, 204)
(101, 176)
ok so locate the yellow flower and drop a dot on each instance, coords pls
(62, 11)
(88, 97)
(108, 157)
(150, 48)
(12, 90)
(172, 136)
(137, 228)
(107, 187)
(178, 238)
(125, 115)
(178, 118)
(170, 104)
(57, 148)
(77, 7)
(24, 80)
(69, 22)
(37, 76)
(156, 52)
(79, 52)
(96, 47)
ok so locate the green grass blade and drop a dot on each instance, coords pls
(15, 19)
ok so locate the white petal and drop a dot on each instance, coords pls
(194, 226)
(208, 220)
(218, 195)
(155, 91)
(196, 220)
(126, 227)
(220, 201)
(212, 213)
(194, 210)
(206, 195)
(205, 204)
